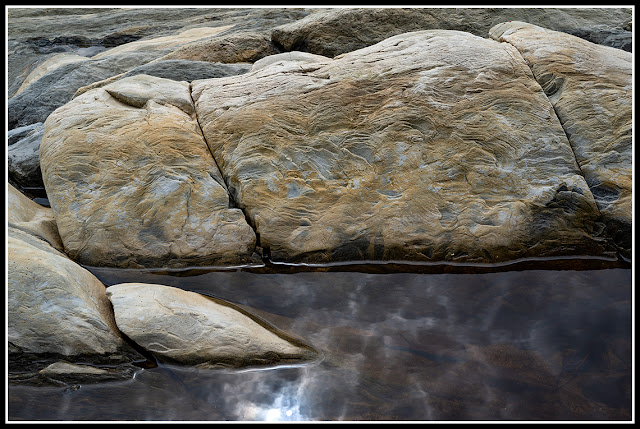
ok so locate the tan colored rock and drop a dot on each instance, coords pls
(29, 216)
(433, 145)
(55, 307)
(233, 48)
(132, 182)
(590, 87)
(184, 327)
(165, 42)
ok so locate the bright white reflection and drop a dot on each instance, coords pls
(283, 409)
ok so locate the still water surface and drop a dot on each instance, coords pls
(512, 344)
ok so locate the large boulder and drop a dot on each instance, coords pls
(133, 184)
(591, 88)
(57, 309)
(433, 145)
(183, 327)
(331, 32)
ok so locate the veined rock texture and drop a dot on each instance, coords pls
(431, 145)
(132, 183)
(590, 87)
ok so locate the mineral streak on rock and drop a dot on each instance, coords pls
(132, 183)
(590, 87)
(432, 145)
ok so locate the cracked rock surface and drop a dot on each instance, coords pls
(590, 87)
(431, 145)
(132, 183)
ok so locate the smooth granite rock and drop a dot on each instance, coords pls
(133, 184)
(183, 327)
(433, 145)
(591, 88)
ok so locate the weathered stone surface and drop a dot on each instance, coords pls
(180, 70)
(233, 48)
(17, 134)
(184, 327)
(57, 309)
(434, 145)
(331, 32)
(38, 33)
(590, 87)
(164, 43)
(48, 66)
(23, 158)
(132, 182)
(31, 217)
(294, 56)
(187, 70)
(56, 88)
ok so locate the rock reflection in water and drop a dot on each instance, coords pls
(516, 345)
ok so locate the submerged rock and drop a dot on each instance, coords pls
(133, 184)
(183, 327)
(590, 87)
(432, 145)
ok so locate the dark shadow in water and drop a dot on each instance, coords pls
(551, 344)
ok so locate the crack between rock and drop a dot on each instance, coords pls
(233, 203)
(573, 152)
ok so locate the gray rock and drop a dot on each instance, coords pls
(54, 89)
(133, 184)
(35, 33)
(185, 70)
(17, 134)
(590, 87)
(331, 32)
(23, 158)
(293, 56)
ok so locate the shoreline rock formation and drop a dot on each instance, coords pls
(232, 136)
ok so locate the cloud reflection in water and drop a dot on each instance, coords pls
(398, 346)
